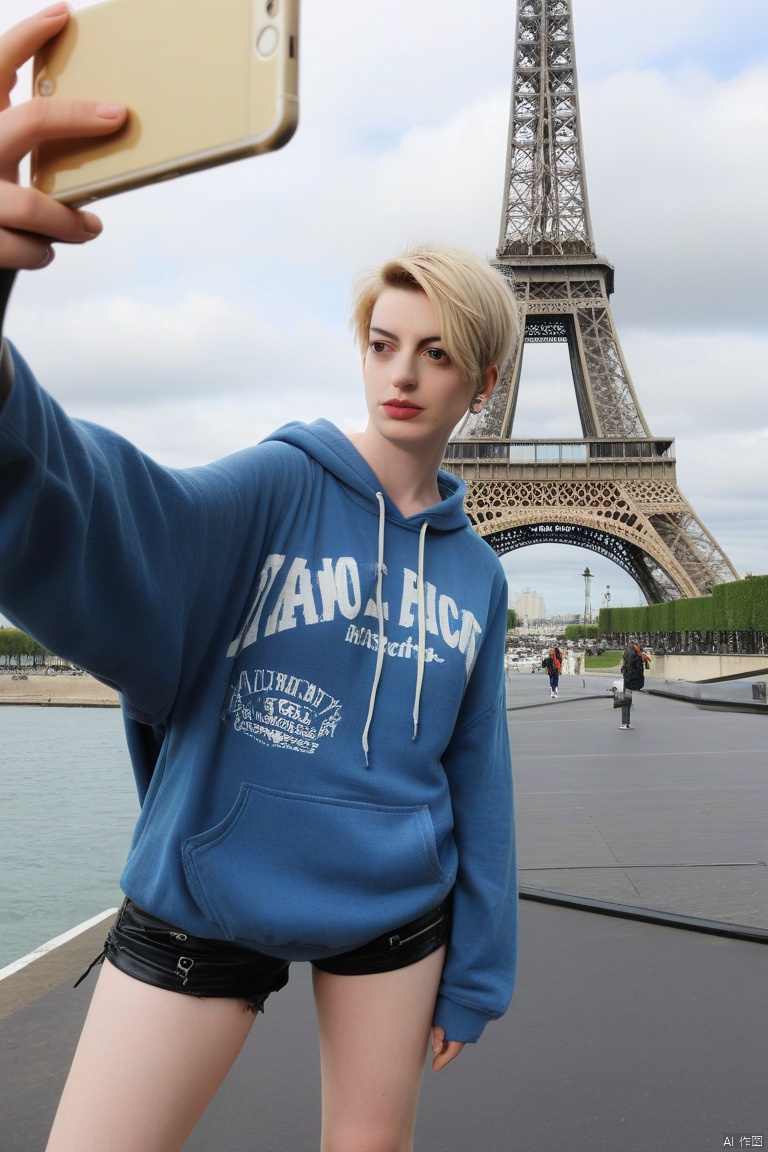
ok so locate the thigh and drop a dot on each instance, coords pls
(148, 1063)
(374, 1035)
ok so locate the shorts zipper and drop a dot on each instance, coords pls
(396, 942)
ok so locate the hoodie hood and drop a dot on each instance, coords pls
(323, 442)
(336, 453)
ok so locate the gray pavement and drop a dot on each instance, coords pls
(672, 815)
(623, 1036)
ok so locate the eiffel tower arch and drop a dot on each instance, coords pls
(614, 491)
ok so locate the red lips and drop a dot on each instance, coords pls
(401, 409)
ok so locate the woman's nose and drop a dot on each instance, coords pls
(403, 371)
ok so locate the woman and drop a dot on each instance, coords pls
(553, 663)
(308, 640)
(633, 665)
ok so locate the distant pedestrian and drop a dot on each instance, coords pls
(553, 663)
(633, 665)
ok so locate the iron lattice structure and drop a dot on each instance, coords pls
(616, 491)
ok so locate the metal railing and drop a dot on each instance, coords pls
(560, 451)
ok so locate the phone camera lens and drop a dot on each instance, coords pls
(272, 7)
(267, 41)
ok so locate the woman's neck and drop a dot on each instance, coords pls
(408, 478)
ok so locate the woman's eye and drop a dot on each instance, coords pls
(377, 345)
(436, 354)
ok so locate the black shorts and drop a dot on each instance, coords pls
(157, 953)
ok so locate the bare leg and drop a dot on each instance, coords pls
(147, 1065)
(374, 1033)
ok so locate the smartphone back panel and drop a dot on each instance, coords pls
(206, 81)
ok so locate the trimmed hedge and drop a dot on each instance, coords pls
(613, 620)
(695, 615)
(582, 631)
(759, 592)
(740, 606)
(662, 616)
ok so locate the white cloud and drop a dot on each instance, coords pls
(676, 170)
(693, 382)
(139, 352)
(207, 428)
(612, 36)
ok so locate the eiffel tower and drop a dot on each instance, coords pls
(614, 491)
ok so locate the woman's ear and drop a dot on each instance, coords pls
(490, 379)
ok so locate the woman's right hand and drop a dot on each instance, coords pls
(30, 221)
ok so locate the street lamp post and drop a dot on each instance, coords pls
(587, 596)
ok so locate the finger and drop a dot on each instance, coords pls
(438, 1045)
(450, 1051)
(21, 42)
(27, 210)
(18, 251)
(40, 119)
(30, 221)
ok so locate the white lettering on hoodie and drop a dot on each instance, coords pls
(304, 596)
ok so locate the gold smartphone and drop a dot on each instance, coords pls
(205, 82)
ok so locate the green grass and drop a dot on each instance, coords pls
(608, 659)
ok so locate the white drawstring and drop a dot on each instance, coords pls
(422, 624)
(422, 654)
(380, 617)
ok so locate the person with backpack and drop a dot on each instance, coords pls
(633, 666)
(553, 663)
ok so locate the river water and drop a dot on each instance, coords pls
(67, 810)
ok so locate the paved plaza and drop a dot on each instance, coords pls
(623, 1036)
(672, 815)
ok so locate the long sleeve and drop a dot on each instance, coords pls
(106, 555)
(479, 974)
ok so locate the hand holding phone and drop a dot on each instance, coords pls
(30, 221)
(205, 82)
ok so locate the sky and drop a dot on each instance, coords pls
(214, 308)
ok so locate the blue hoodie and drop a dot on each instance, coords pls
(312, 685)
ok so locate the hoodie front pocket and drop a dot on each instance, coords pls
(283, 869)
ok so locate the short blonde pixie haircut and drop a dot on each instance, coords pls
(478, 315)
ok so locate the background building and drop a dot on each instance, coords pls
(529, 606)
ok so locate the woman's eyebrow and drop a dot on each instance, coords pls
(392, 336)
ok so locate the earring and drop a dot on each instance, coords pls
(476, 405)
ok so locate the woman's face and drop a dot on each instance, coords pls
(414, 392)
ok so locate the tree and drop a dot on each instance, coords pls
(511, 619)
(14, 644)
